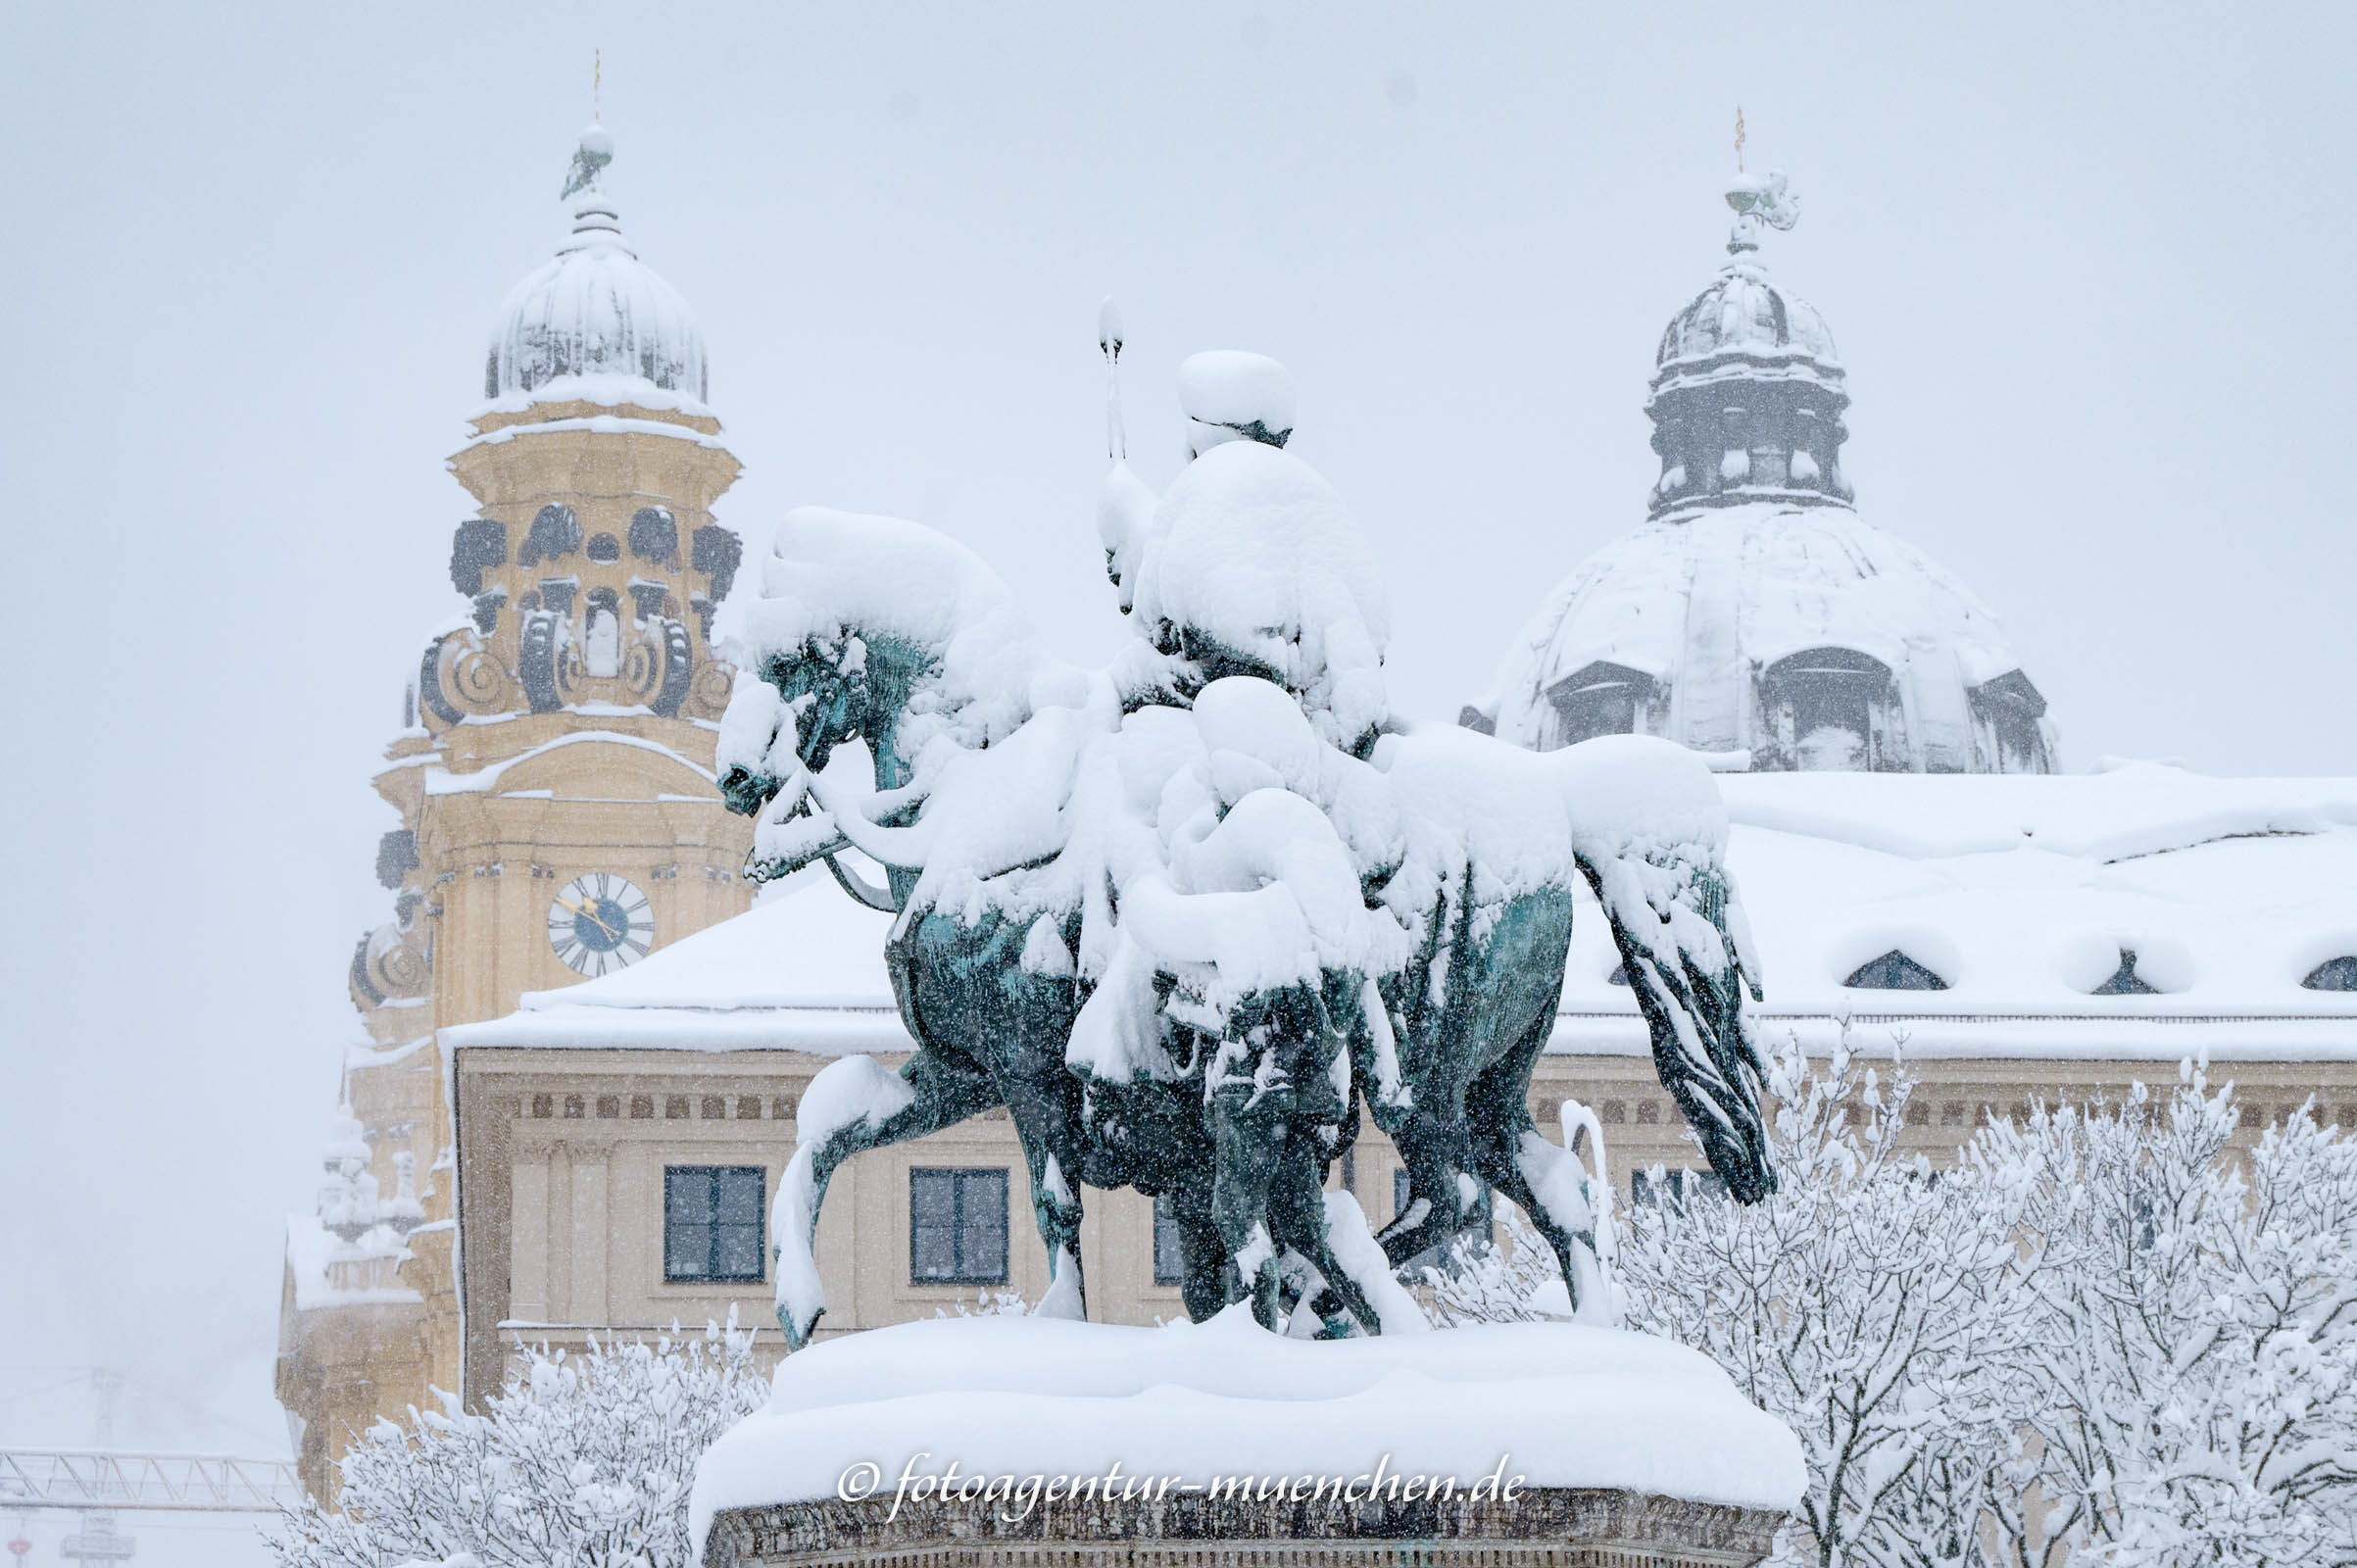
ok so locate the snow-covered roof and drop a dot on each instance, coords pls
(2018, 892)
(596, 311)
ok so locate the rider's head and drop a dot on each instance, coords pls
(1229, 395)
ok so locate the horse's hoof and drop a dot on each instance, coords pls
(798, 1339)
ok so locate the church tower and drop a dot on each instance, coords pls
(553, 779)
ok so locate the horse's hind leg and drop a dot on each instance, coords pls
(1547, 1183)
(1297, 1214)
(1442, 1199)
(853, 1106)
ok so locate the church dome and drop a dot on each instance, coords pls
(1745, 316)
(595, 312)
(1755, 611)
(1802, 635)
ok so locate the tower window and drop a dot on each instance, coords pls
(712, 1223)
(655, 536)
(605, 549)
(555, 534)
(2011, 708)
(1824, 705)
(957, 1227)
(602, 635)
(1894, 971)
(1601, 699)
(1170, 1259)
(2333, 974)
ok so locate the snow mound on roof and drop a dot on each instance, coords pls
(2145, 809)
(1567, 1405)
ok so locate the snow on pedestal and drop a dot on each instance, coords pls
(1567, 1409)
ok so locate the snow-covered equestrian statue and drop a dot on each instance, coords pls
(1180, 916)
(1013, 803)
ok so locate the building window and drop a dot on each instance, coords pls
(1824, 700)
(1675, 1186)
(712, 1223)
(1894, 971)
(2125, 981)
(1399, 1194)
(1601, 699)
(2012, 708)
(2333, 974)
(957, 1227)
(1169, 1263)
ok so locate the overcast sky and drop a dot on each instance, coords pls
(2087, 269)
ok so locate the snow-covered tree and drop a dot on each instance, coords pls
(2200, 1344)
(1864, 1302)
(2101, 1335)
(1518, 1282)
(580, 1461)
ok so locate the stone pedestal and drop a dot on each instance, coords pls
(1553, 1526)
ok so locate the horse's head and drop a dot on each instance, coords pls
(869, 629)
(790, 712)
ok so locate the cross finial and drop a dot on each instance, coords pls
(1738, 138)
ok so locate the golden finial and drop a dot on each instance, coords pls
(1738, 138)
(597, 90)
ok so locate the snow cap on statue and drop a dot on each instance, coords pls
(1229, 395)
(1257, 563)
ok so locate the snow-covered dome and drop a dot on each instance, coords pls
(1747, 397)
(1756, 612)
(1805, 636)
(596, 311)
(1744, 313)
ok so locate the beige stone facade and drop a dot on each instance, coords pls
(563, 1153)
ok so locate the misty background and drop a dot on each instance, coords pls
(2084, 267)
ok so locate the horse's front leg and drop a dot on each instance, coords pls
(1203, 1260)
(852, 1105)
(1045, 1107)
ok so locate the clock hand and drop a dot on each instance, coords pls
(587, 913)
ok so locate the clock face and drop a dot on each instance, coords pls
(600, 922)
